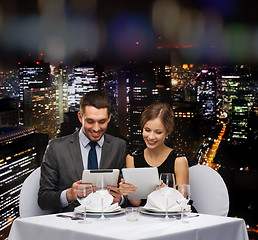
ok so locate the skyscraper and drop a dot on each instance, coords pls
(85, 78)
(161, 90)
(139, 85)
(237, 98)
(61, 82)
(32, 75)
(21, 151)
(40, 110)
(206, 94)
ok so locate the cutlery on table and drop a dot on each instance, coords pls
(71, 217)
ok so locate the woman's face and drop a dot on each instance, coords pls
(154, 133)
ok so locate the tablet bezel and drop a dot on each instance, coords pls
(110, 177)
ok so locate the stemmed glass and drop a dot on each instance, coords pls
(102, 191)
(167, 182)
(83, 191)
(185, 190)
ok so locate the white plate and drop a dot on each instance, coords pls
(156, 213)
(79, 209)
(119, 211)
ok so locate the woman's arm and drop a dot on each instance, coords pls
(181, 170)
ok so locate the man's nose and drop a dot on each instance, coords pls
(96, 127)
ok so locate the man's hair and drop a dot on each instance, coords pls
(96, 99)
(159, 110)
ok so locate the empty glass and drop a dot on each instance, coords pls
(186, 192)
(83, 191)
(167, 182)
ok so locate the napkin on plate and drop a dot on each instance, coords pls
(156, 201)
(93, 203)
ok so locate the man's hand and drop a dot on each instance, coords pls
(114, 191)
(71, 192)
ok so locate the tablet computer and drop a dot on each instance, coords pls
(101, 177)
(145, 179)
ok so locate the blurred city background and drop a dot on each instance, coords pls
(199, 56)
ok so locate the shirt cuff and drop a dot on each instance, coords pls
(63, 199)
(122, 200)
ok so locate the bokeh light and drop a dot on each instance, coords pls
(125, 31)
(203, 34)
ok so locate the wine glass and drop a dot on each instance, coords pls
(167, 182)
(185, 190)
(102, 191)
(82, 192)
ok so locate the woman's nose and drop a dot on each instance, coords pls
(151, 135)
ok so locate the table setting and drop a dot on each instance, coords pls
(166, 215)
(166, 201)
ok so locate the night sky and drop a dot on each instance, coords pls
(111, 30)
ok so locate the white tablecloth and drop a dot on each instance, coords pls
(204, 227)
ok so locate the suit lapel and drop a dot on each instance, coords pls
(74, 148)
(104, 161)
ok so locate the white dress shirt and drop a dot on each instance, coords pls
(85, 148)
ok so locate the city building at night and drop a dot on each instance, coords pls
(139, 86)
(21, 150)
(84, 78)
(186, 136)
(61, 84)
(207, 93)
(40, 111)
(9, 85)
(161, 92)
(32, 75)
(236, 98)
(9, 112)
(183, 83)
(111, 87)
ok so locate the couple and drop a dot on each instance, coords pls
(66, 158)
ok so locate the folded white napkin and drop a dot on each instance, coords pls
(93, 202)
(156, 201)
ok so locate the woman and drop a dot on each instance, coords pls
(157, 123)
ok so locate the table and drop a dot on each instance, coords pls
(202, 227)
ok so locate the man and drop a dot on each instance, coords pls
(66, 158)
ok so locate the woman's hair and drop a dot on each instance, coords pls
(159, 110)
(96, 99)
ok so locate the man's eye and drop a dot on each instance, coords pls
(102, 122)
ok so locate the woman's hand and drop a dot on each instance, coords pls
(126, 188)
(161, 185)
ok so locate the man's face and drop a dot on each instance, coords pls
(94, 122)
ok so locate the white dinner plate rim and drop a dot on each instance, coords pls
(158, 213)
(117, 211)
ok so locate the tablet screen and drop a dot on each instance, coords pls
(145, 179)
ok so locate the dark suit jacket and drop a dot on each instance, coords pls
(62, 166)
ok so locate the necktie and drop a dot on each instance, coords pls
(92, 158)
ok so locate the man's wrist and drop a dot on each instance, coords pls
(70, 195)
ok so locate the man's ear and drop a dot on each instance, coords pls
(80, 116)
